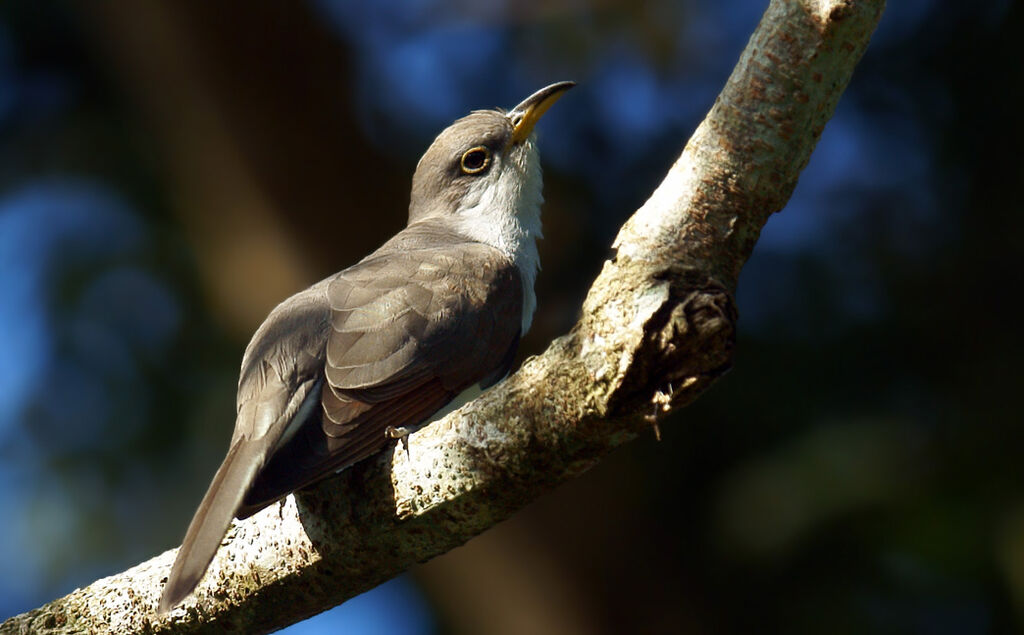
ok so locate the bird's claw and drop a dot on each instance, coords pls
(401, 433)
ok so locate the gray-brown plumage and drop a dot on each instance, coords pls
(387, 342)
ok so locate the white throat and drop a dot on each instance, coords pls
(505, 213)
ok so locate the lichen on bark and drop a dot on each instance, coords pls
(657, 328)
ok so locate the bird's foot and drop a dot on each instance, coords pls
(401, 433)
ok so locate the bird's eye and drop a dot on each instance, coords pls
(475, 160)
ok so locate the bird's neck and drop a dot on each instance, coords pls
(507, 217)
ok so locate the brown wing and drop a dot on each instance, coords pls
(410, 330)
(282, 372)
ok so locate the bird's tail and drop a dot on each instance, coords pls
(211, 521)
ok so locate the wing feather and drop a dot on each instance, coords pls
(409, 330)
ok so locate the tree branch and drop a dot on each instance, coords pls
(657, 329)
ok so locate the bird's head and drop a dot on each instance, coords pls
(483, 174)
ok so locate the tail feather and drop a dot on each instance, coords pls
(212, 519)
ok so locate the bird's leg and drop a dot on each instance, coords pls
(401, 432)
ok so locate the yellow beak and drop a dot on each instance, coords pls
(526, 115)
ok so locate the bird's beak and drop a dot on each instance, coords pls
(526, 115)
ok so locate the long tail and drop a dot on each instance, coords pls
(212, 519)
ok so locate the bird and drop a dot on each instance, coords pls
(340, 370)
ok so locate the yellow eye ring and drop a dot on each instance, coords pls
(475, 160)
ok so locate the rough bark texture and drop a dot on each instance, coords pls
(657, 328)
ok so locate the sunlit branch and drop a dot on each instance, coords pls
(657, 328)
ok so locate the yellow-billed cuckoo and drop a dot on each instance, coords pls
(338, 370)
